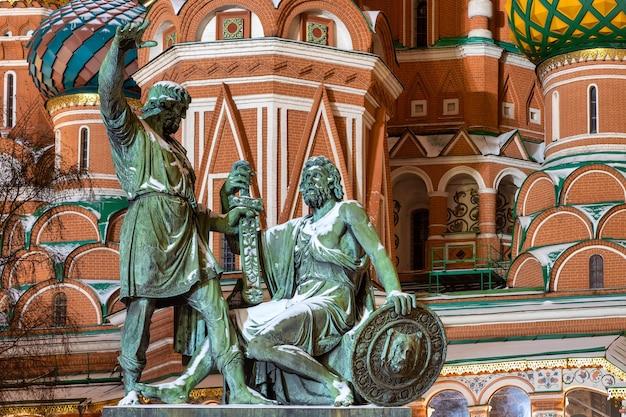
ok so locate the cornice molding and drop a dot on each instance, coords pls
(347, 63)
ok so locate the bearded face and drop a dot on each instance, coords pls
(315, 187)
(315, 196)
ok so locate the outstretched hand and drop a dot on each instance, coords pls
(403, 302)
(129, 36)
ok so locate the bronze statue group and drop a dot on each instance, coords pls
(315, 267)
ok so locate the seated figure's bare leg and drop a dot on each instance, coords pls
(293, 359)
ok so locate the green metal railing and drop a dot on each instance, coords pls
(448, 263)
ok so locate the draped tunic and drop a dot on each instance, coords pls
(164, 247)
(313, 288)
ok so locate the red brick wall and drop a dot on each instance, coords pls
(582, 185)
(571, 271)
(525, 272)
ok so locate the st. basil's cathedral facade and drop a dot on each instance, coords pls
(484, 137)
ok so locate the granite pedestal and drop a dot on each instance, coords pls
(187, 410)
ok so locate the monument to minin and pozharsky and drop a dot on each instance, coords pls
(319, 341)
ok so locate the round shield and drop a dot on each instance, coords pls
(396, 358)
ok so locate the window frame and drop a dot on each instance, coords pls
(84, 142)
(10, 101)
(593, 118)
(596, 272)
(59, 309)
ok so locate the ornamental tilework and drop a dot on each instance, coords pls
(232, 28)
(317, 33)
(589, 377)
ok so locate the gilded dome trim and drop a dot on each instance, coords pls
(83, 100)
(584, 55)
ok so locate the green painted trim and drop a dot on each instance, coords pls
(568, 353)
(588, 160)
(461, 40)
(69, 334)
(483, 132)
(509, 47)
(497, 303)
(478, 39)
(537, 337)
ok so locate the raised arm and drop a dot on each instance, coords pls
(111, 76)
(356, 218)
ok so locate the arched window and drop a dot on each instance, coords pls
(593, 109)
(421, 23)
(9, 99)
(59, 310)
(448, 403)
(596, 271)
(510, 401)
(83, 149)
(228, 257)
(419, 226)
(57, 149)
(556, 128)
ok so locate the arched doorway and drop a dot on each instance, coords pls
(587, 403)
(448, 403)
(410, 197)
(509, 402)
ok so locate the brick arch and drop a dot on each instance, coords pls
(158, 13)
(114, 304)
(519, 237)
(411, 171)
(66, 224)
(525, 272)
(114, 228)
(510, 172)
(13, 236)
(28, 267)
(18, 152)
(382, 32)
(558, 225)
(450, 385)
(570, 271)
(351, 16)
(94, 261)
(581, 186)
(507, 382)
(35, 305)
(458, 171)
(536, 193)
(193, 14)
(611, 225)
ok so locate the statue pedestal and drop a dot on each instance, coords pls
(192, 410)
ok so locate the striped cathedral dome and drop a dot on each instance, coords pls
(545, 28)
(67, 49)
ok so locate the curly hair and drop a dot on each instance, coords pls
(162, 93)
(333, 174)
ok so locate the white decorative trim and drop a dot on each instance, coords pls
(480, 33)
(480, 8)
